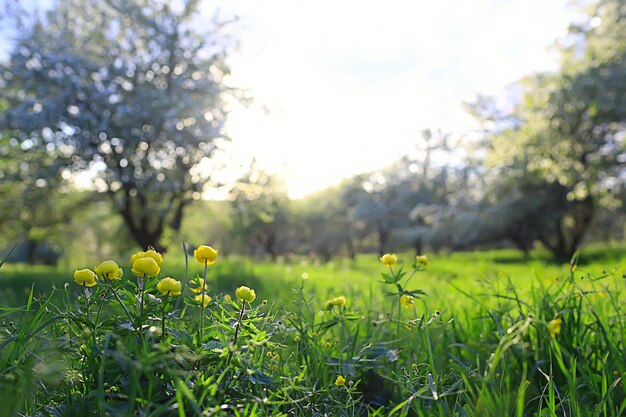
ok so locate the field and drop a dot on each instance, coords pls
(467, 334)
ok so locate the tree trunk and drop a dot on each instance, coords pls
(383, 238)
(31, 251)
(418, 246)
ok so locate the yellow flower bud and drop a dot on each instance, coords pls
(407, 300)
(339, 301)
(150, 253)
(389, 259)
(109, 270)
(203, 299)
(205, 254)
(422, 260)
(169, 286)
(146, 266)
(554, 327)
(340, 381)
(246, 294)
(85, 277)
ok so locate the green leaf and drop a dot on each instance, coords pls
(7, 256)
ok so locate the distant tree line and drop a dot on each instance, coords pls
(132, 94)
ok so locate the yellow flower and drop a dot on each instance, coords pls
(205, 301)
(150, 253)
(85, 277)
(389, 259)
(574, 268)
(328, 345)
(246, 294)
(339, 301)
(199, 282)
(227, 299)
(169, 286)
(554, 327)
(340, 381)
(205, 254)
(109, 270)
(407, 300)
(146, 266)
(422, 260)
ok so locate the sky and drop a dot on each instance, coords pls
(342, 87)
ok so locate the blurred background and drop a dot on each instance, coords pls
(275, 129)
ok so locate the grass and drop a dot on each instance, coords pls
(482, 342)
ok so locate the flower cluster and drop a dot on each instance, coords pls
(336, 302)
(147, 264)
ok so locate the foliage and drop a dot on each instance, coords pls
(128, 91)
(490, 351)
(260, 210)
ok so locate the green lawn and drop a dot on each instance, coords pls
(494, 335)
(445, 272)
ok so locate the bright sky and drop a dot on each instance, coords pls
(342, 87)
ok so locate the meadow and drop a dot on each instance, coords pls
(462, 334)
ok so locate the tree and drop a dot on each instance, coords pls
(128, 91)
(568, 129)
(261, 212)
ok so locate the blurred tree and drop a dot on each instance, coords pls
(567, 133)
(260, 212)
(127, 91)
(328, 231)
(35, 201)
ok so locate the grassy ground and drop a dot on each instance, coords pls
(463, 269)
(494, 335)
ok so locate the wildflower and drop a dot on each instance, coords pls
(339, 301)
(340, 381)
(169, 286)
(205, 254)
(109, 270)
(407, 300)
(204, 299)
(200, 283)
(150, 253)
(246, 294)
(146, 266)
(227, 299)
(389, 259)
(421, 260)
(554, 327)
(574, 268)
(85, 277)
(328, 345)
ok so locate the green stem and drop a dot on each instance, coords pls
(230, 353)
(163, 322)
(119, 300)
(143, 293)
(399, 318)
(95, 327)
(206, 265)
